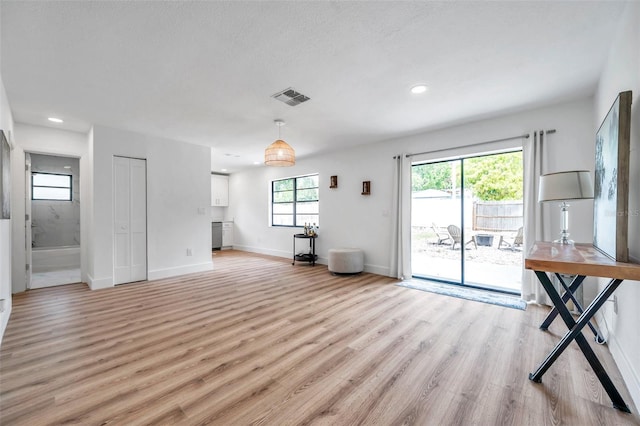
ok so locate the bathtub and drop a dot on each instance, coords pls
(46, 259)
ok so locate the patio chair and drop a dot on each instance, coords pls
(456, 236)
(517, 240)
(441, 233)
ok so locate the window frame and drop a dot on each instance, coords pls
(295, 199)
(70, 187)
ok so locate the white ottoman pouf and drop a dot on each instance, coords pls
(346, 260)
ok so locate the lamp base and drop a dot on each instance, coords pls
(564, 234)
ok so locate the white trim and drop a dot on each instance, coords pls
(179, 270)
(53, 152)
(268, 252)
(629, 375)
(5, 319)
(8, 134)
(99, 283)
(374, 269)
(377, 269)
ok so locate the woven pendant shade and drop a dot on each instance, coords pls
(279, 154)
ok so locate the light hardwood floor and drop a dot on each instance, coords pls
(259, 341)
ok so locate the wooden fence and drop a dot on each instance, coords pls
(497, 215)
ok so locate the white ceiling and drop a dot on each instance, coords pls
(204, 72)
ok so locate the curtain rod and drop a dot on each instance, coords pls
(525, 136)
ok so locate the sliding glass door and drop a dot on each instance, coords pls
(436, 207)
(467, 219)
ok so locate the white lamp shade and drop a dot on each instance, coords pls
(562, 186)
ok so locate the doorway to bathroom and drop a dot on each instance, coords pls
(52, 220)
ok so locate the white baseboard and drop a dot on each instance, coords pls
(157, 274)
(100, 283)
(628, 373)
(277, 253)
(374, 269)
(377, 269)
(5, 319)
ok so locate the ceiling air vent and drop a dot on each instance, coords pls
(290, 97)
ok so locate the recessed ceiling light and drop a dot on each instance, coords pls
(55, 120)
(223, 170)
(416, 90)
(67, 167)
(257, 162)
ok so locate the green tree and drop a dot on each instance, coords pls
(491, 178)
(495, 177)
(431, 176)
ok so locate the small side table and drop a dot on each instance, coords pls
(310, 257)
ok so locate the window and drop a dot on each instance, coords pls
(295, 201)
(50, 186)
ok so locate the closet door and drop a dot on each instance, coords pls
(130, 220)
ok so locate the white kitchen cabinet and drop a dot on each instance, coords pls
(219, 190)
(227, 234)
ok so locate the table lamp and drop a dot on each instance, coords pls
(564, 186)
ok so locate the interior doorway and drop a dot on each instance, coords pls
(467, 221)
(52, 220)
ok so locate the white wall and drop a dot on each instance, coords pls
(43, 140)
(6, 124)
(348, 219)
(622, 73)
(178, 203)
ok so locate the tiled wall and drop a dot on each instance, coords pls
(56, 223)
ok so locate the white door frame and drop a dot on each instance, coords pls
(27, 220)
(28, 208)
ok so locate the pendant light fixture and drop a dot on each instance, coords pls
(279, 153)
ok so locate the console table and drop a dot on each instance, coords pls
(310, 257)
(581, 260)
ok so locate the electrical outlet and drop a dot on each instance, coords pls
(615, 304)
(189, 252)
